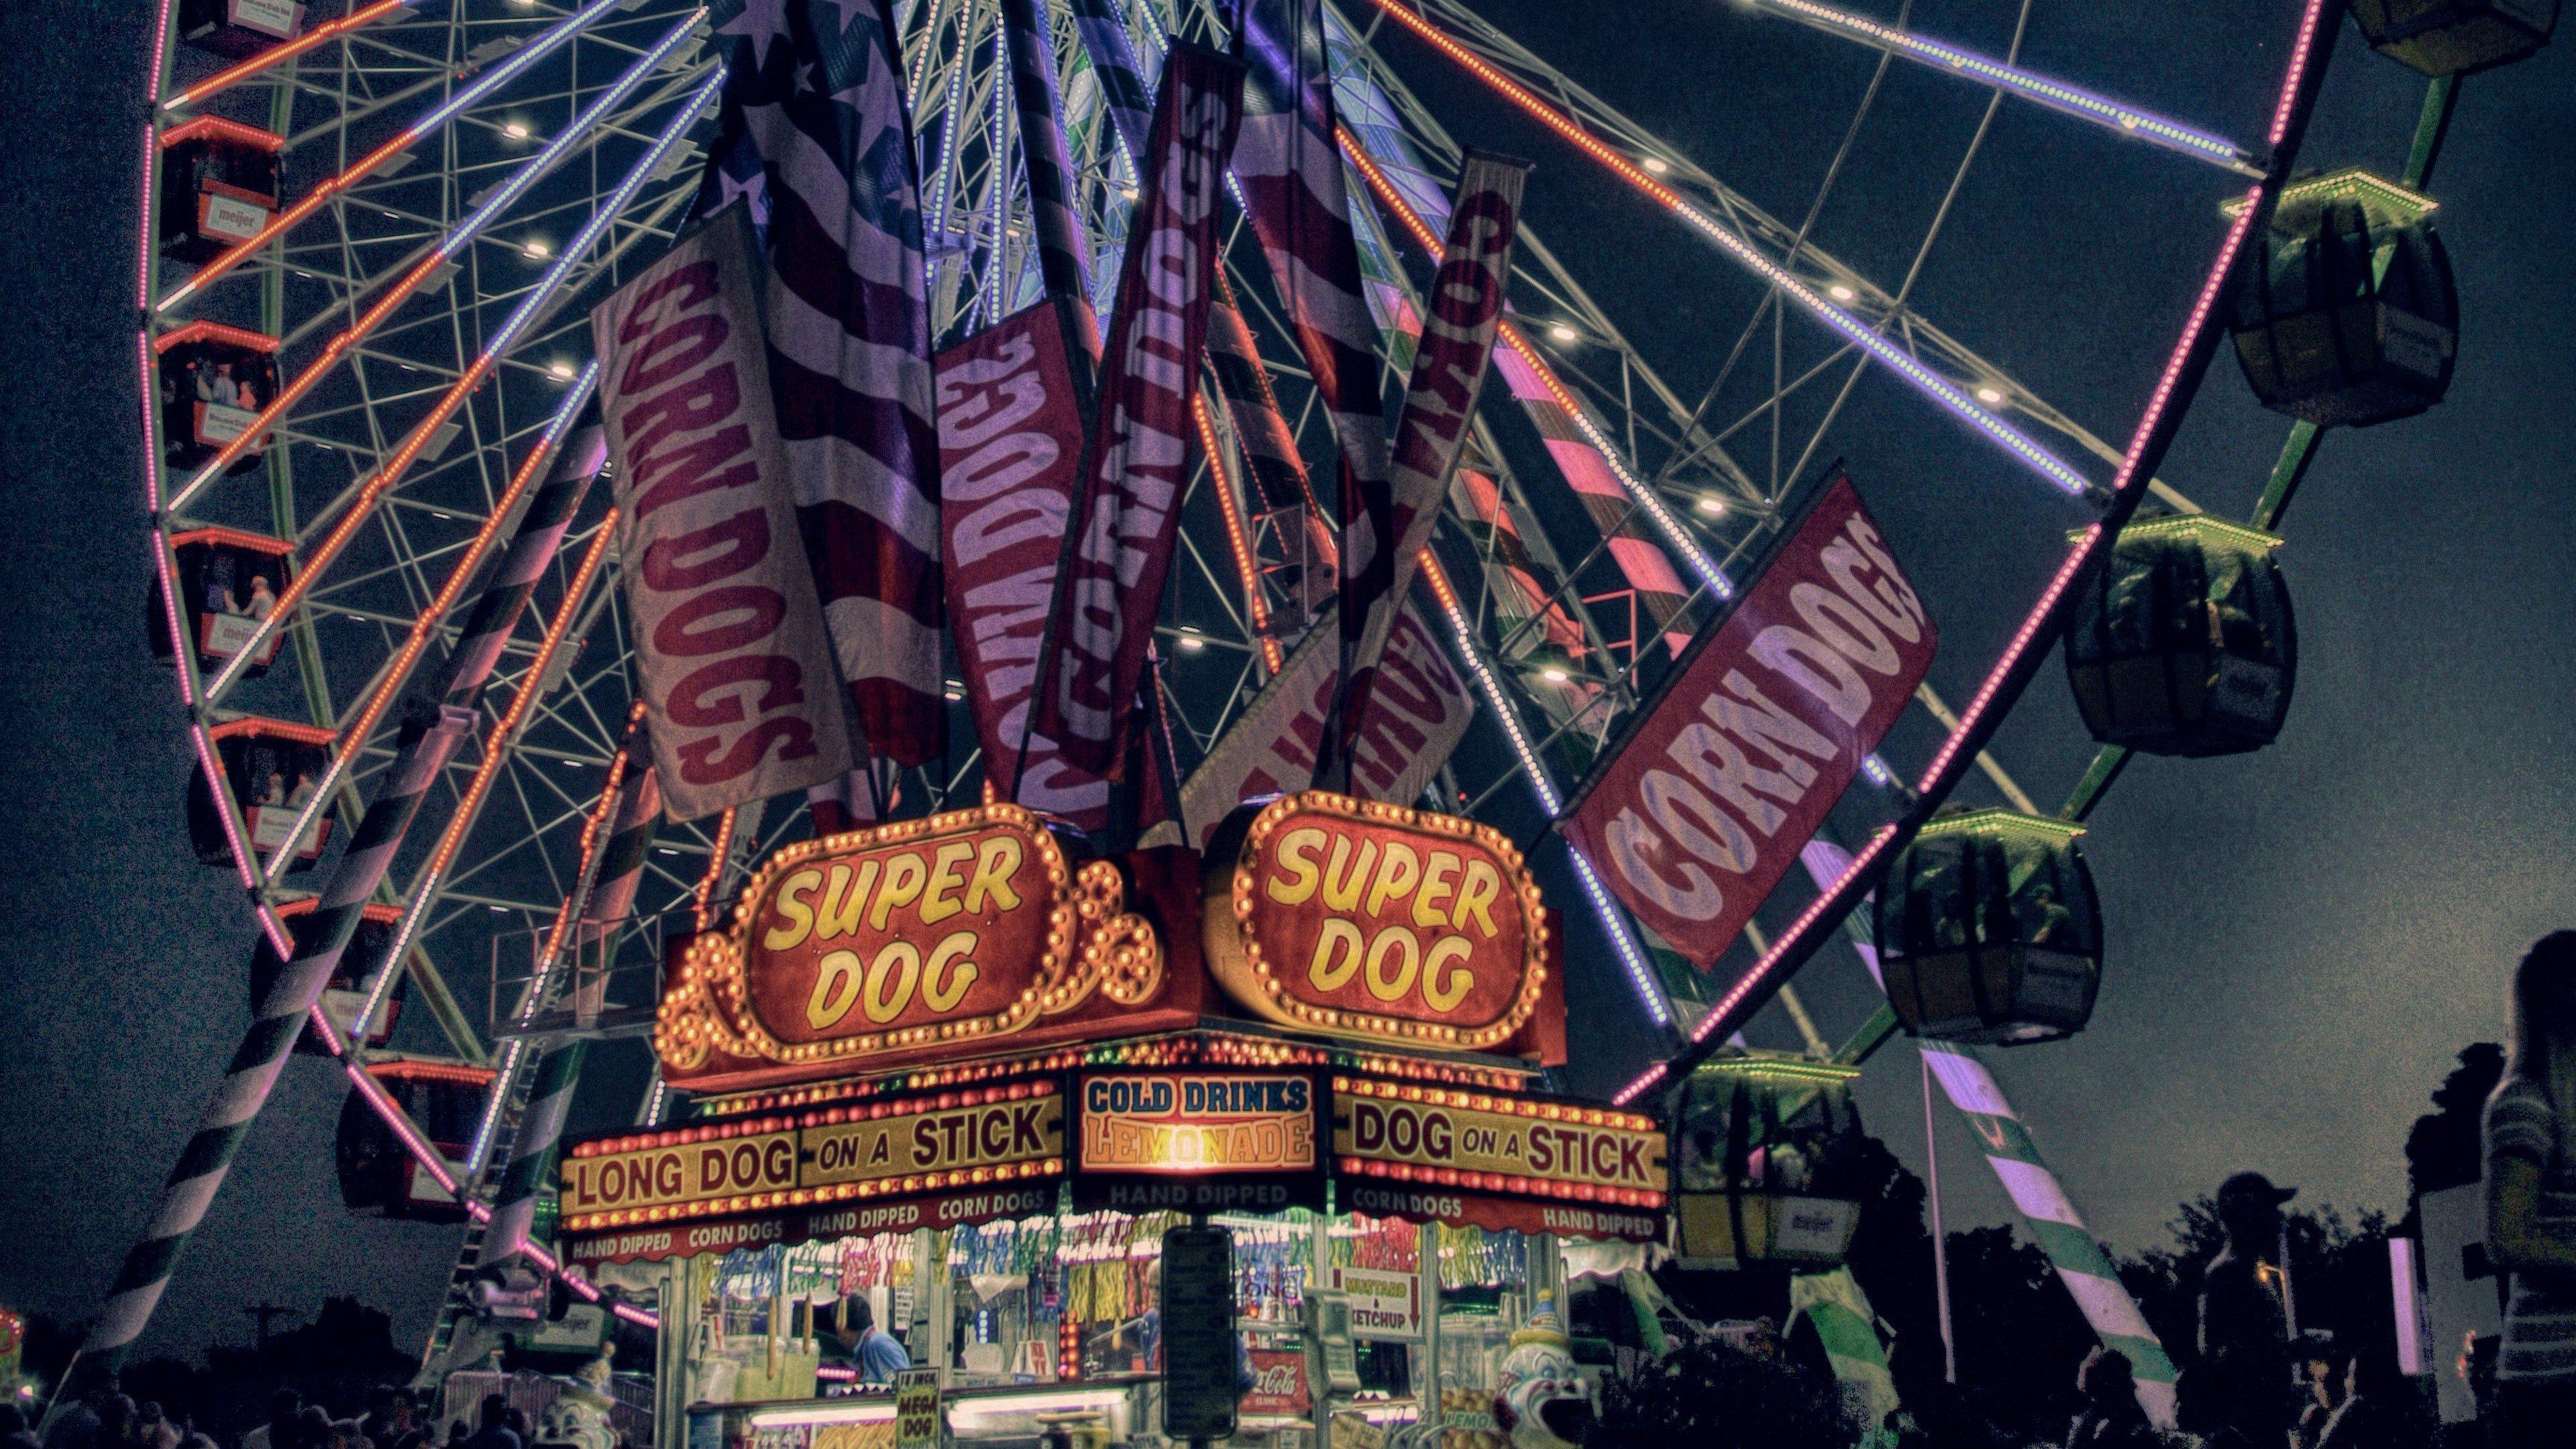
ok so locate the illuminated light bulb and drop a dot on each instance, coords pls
(1562, 333)
(538, 250)
(1713, 507)
(516, 130)
(1990, 396)
(560, 370)
(1840, 293)
(1656, 164)
(1191, 641)
(1552, 676)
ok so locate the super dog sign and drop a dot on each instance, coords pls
(1367, 920)
(956, 928)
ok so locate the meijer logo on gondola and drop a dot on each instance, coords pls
(1369, 920)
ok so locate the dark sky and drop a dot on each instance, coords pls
(2300, 939)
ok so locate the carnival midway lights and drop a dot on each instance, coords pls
(870, 549)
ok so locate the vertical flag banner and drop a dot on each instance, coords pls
(1010, 438)
(1128, 503)
(813, 138)
(1731, 767)
(1290, 167)
(1064, 251)
(1421, 712)
(1465, 306)
(730, 643)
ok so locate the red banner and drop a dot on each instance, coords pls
(1727, 772)
(1138, 459)
(730, 647)
(1010, 437)
(939, 1210)
(1418, 711)
(1498, 1214)
(1465, 308)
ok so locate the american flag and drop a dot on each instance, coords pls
(814, 138)
(1291, 170)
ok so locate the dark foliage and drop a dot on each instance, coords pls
(2442, 1148)
(1712, 1396)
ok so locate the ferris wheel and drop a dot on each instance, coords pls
(386, 591)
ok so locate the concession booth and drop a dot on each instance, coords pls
(955, 1075)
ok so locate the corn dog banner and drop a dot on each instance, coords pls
(736, 668)
(1010, 437)
(1729, 769)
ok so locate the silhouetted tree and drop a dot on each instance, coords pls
(2442, 1148)
(1712, 1396)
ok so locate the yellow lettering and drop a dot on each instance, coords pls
(841, 900)
(1299, 883)
(836, 990)
(1326, 973)
(941, 990)
(1476, 896)
(1397, 871)
(994, 866)
(1344, 893)
(799, 915)
(938, 900)
(1393, 988)
(900, 960)
(1435, 889)
(1444, 993)
(903, 880)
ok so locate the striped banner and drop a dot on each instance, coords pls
(1290, 169)
(429, 736)
(1064, 248)
(814, 137)
(1848, 1328)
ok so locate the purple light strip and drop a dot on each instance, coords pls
(1936, 780)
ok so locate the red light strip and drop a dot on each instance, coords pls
(705, 913)
(398, 673)
(2001, 687)
(1257, 606)
(320, 35)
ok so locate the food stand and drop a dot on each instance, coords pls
(947, 1069)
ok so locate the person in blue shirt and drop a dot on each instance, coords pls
(873, 1353)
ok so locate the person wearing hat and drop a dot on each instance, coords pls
(2244, 1326)
(2531, 1201)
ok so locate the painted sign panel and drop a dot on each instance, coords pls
(1198, 1139)
(881, 1148)
(1698, 813)
(1035, 1198)
(1479, 1140)
(1384, 1302)
(960, 927)
(1499, 1214)
(1368, 920)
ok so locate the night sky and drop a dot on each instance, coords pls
(2299, 939)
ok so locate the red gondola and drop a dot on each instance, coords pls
(347, 989)
(271, 768)
(221, 182)
(239, 28)
(378, 1176)
(228, 583)
(214, 382)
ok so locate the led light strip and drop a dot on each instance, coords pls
(419, 276)
(2005, 680)
(1254, 604)
(398, 673)
(503, 339)
(2031, 86)
(496, 749)
(367, 165)
(1614, 922)
(1931, 384)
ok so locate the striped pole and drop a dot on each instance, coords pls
(2080, 1262)
(429, 736)
(1064, 251)
(612, 898)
